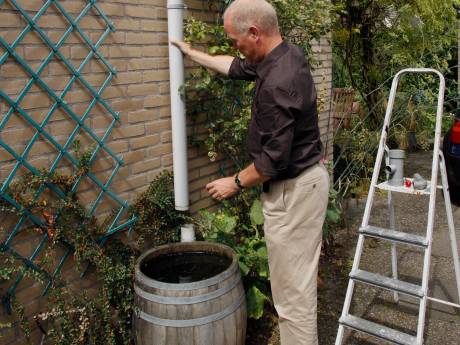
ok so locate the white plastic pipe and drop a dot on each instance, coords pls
(179, 130)
(187, 233)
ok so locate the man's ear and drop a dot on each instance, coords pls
(254, 32)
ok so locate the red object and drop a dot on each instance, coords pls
(455, 132)
(408, 183)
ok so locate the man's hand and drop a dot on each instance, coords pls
(220, 64)
(223, 188)
(183, 46)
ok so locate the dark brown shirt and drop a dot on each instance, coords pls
(284, 138)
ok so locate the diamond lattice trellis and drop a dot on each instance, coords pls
(10, 107)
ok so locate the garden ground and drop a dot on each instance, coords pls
(442, 324)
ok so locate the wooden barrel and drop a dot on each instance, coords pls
(205, 312)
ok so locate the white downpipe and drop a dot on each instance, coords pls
(178, 119)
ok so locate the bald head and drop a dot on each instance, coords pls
(246, 13)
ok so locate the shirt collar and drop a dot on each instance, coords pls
(265, 65)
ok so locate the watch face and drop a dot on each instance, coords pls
(238, 182)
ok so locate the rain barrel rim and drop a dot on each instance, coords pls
(145, 280)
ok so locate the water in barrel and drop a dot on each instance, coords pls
(187, 267)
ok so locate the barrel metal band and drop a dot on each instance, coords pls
(188, 300)
(193, 322)
(187, 286)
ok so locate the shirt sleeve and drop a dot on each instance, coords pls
(241, 69)
(276, 124)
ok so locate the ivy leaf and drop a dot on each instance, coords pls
(257, 216)
(255, 302)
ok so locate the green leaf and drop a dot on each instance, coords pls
(333, 215)
(244, 268)
(226, 223)
(257, 216)
(255, 302)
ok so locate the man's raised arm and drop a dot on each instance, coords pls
(218, 63)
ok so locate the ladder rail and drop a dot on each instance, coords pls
(432, 205)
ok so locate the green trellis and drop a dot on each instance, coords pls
(119, 223)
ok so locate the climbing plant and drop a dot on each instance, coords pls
(102, 313)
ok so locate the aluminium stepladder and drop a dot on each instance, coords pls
(401, 238)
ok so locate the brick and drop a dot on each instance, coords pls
(155, 51)
(37, 100)
(208, 170)
(73, 7)
(145, 166)
(166, 137)
(115, 92)
(127, 24)
(79, 52)
(61, 128)
(141, 116)
(198, 162)
(142, 2)
(128, 131)
(78, 96)
(146, 38)
(154, 25)
(147, 63)
(10, 20)
(159, 150)
(148, 140)
(157, 75)
(124, 51)
(167, 160)
(41, 52)
(134, 156)
(102, 164)
(164, 89)
(52, 21)
(58, 68)
(202, 204)
(112, 9)
(118, 146)
(165, 112)
(161, 13)
(127, 78)
(120, 65)
(141, 12)
(158, 126)
(156, 101)
(142, 89)
(129, 184)
(12, 70)
(128, 104)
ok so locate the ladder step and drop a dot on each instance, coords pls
(387, 283)
(394, 236)
(377, 330)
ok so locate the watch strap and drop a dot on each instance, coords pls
(238, 182)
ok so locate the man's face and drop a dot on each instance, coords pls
(246, 43)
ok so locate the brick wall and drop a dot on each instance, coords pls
(140, 92)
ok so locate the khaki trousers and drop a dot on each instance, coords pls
(294, 211)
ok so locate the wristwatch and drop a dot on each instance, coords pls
(238, 182)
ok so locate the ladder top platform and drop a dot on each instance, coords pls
(406, 190)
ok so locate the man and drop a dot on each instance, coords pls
(284, 144)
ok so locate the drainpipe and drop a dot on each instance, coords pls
(178, 119)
